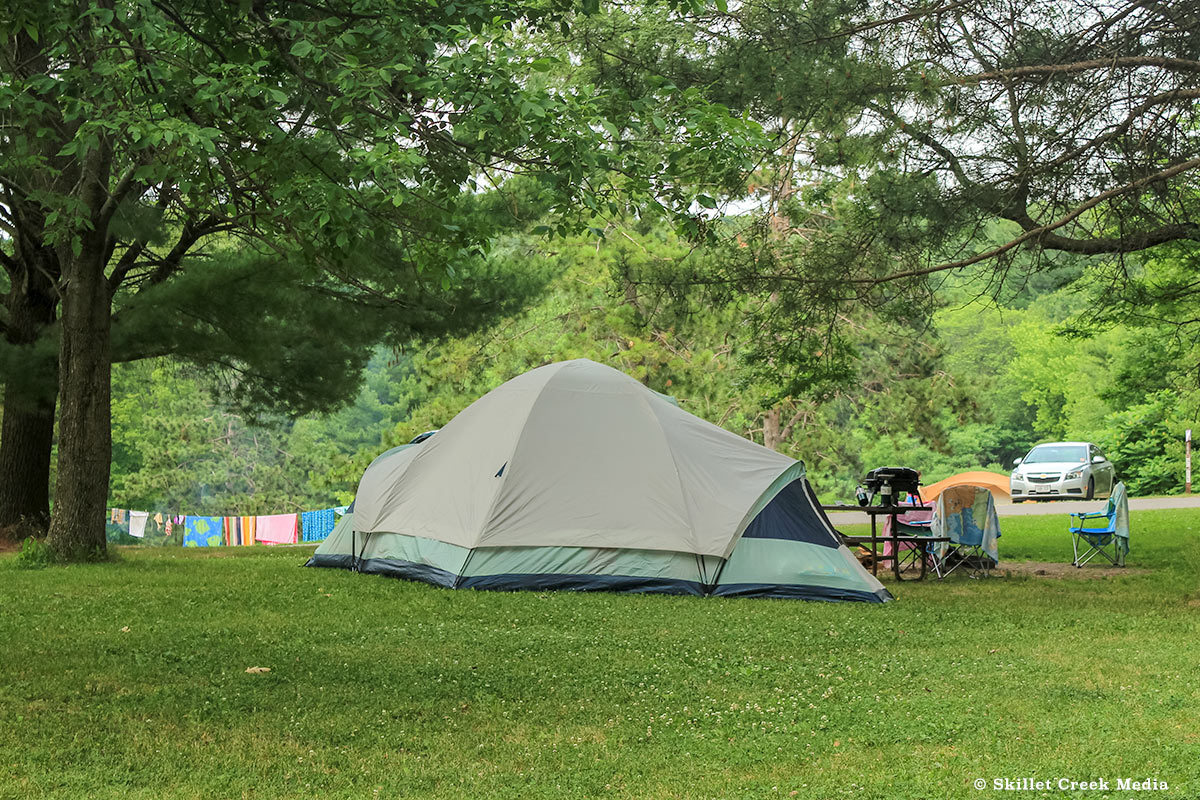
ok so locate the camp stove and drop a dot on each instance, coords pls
(887, 483)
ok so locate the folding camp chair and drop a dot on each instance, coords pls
(1104, 533)
(967, 515)
(908, 559)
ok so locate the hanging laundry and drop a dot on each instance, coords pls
(158, 523)
(276, 528)
(137, 523)
(201, 531)
(248, 527)
(235, 531)
(116, 530)
(315, 526)
(116, 533)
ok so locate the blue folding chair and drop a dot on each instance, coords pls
(1104, 533)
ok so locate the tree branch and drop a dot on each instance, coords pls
(1125, 124)
(846, 33)
(10, 264)
(927, 140)
(1048, 70)
(125, 185)
(1082, 246)
(167, 265)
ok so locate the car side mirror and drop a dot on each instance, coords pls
(1016, 462)
(1097, 459)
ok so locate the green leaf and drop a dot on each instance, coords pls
(302, 48)
(706, 201)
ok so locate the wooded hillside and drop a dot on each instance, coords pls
(978, 386)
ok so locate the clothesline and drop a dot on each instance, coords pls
(217, 531)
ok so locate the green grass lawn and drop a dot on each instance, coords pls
(129, 680)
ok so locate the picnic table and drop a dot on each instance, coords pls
(909, 562)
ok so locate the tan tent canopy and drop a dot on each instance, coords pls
(575, 469)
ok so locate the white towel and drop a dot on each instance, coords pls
(137, 523)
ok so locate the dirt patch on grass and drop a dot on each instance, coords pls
(1058, 569)
(1055, 570)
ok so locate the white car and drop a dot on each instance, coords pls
(1062, 469)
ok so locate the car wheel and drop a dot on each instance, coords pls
(1091, 492)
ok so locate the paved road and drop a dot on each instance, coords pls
(1064, 507)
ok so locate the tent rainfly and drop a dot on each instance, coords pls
(576, 476)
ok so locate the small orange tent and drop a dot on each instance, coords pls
(998, 484)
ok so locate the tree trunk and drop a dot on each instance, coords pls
(771, 422)
(26, 438)
(85, 394)
(27, 432)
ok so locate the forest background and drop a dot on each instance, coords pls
(990, 375)
(862, 234)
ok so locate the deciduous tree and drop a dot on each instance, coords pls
(341, 143)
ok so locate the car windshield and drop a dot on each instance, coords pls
(1056, 452)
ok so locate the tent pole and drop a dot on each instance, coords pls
(358, 558)
(462, 571)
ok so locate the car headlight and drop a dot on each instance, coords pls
(1016, 476)
(1075, 473)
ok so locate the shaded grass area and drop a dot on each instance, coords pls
(382, 688)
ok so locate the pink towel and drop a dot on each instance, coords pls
(276, 528)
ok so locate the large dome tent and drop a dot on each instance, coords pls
(576, 476)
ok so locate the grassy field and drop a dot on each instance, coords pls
(129, 680)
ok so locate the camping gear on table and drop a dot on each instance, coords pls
(967, 515)
(1104, 533)
(576, 476)
(888, 483)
